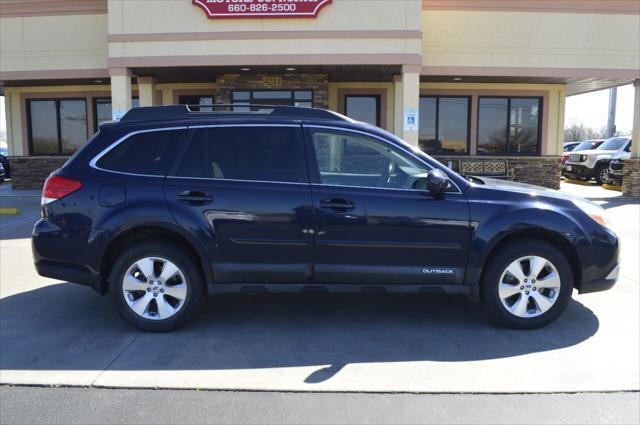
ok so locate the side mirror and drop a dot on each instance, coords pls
(436, 182)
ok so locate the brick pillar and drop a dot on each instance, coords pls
(631, 180)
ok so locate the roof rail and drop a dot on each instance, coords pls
(173, 112)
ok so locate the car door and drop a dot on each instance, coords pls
(371, 225)
(244, 191)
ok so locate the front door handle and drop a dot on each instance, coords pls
(337, 204)
(195, 197)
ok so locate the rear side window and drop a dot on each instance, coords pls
(147, 153)
(272, 154)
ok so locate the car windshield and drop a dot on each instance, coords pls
(3, 151)
(587, 145)
(569, 148)
(613, 144)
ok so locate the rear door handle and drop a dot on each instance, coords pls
(337, 205)
(195, 197)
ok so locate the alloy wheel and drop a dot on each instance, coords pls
(604, 175)
(154, 288)
(529, 286)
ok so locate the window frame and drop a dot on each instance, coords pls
(506, 152)
(252, 99)
(57, 101)
(437, 97)
(199, 95)
(94, 108)
(378, 99)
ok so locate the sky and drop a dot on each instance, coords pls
(589, 109)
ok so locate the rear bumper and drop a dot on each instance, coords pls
(69, 273)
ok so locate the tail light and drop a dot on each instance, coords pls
(57, 187)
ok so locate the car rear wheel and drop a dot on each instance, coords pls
(602, 174)
(156, 287)
(527, 285)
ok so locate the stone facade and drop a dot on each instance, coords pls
(318, 83)
(538, 170)
(31, 172)
(631, 181)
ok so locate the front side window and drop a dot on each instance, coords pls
(57, 126)
(444, 125)
(150, 153)
(350, 159)
(270, 154)
(509, 125)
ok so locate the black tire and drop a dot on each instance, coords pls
(498, 264)
(598, 176)
(193, 280)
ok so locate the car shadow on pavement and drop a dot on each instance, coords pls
(66, 327)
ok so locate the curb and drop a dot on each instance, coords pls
(612, 187)
(9, 211)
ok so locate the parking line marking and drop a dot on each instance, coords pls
(9, 211)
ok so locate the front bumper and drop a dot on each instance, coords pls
(602, 284)
(578, 171)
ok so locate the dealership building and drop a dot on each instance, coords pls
(480, 85)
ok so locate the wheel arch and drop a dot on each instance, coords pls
(151, 232)
(539, 234)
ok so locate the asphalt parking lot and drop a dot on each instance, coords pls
(57, 333)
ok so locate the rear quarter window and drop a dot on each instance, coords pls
(149, 153)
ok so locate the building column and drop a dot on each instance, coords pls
(397, 105)
(146, 91)
(410, 103)
(120, 92)
(631, 181)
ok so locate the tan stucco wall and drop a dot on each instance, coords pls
(553, 106)
(177, 17)
(528, 39)
(53, 42)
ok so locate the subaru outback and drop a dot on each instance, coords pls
(168, 206)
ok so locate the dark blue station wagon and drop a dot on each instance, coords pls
(169, 205)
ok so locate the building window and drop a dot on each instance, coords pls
(57, 126)
(365, 108)
(201, 103)
(302, 98)
(102, 110)
(444, 124)
(509, 125)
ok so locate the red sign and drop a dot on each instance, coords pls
(261, 8)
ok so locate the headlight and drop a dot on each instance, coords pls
(595, 211)
(583, 158)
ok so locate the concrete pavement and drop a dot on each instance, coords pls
(56, 333)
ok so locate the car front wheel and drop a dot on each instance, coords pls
(602, 175)
(527, 285)
(156, 287)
